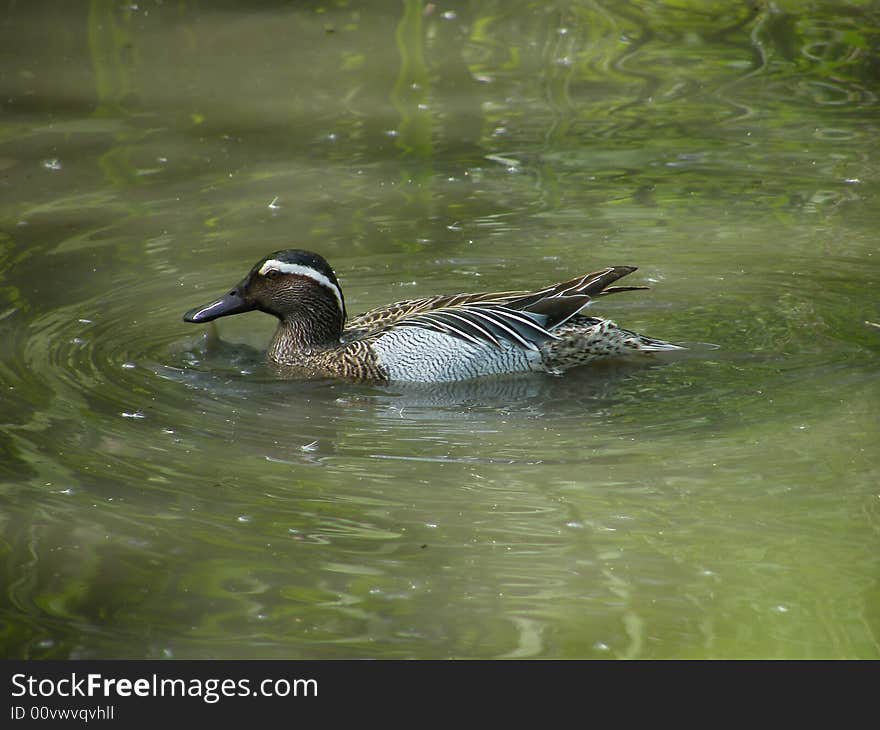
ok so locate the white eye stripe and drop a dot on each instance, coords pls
(300, 270)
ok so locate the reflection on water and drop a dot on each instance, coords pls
(165, 494)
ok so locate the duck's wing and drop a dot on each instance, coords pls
(497, 324)
(381, 317)
(595, 284)
(524, 317)
(484, 323)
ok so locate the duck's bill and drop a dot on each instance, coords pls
(232, 303)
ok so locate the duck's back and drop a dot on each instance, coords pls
(378, 319)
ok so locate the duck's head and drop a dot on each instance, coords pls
(295, 286)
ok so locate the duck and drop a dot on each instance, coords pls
(440, 338)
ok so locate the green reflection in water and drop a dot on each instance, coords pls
(163, 495)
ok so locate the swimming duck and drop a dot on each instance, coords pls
(440, 338)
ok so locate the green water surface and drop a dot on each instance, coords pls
(163, 494)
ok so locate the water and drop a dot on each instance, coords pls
(165, 495)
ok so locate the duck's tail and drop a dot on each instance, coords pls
(585, 339)
(641, 343)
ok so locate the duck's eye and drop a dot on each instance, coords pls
(272, 274)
